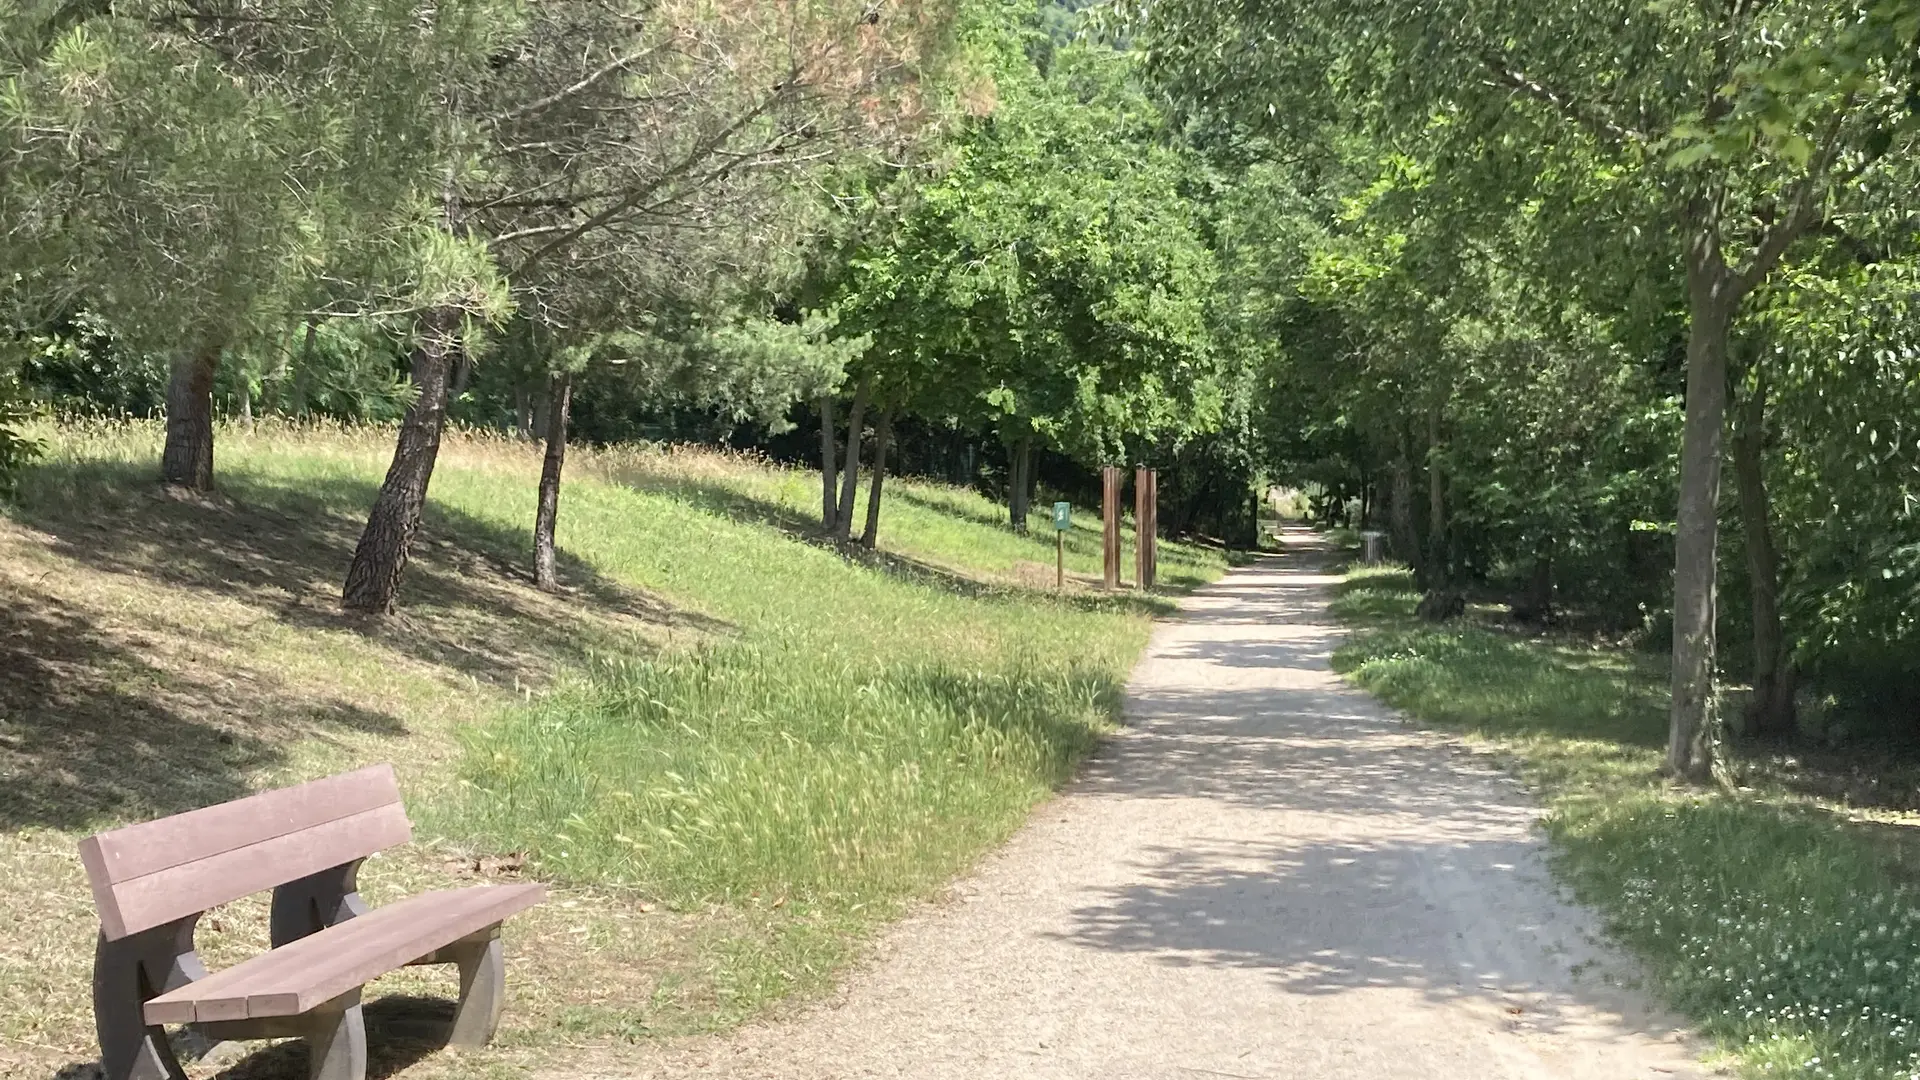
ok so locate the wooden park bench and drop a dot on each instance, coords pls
(152, 882)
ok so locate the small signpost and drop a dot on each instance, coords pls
(1062, 521)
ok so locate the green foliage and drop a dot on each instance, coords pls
(744, 368)
(1845, 464)
(17, 451)
(236, 159)
(80, 367)
(1053, 277)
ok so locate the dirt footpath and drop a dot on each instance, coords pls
(1266, 875)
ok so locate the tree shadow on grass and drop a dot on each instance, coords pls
(284, 548)
(938, 506)
(87, 731)
(122, 700)
(402, 1029)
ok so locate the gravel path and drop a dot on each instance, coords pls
(1265, 875)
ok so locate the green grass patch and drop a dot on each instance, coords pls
(857, 733)
(1786, 929)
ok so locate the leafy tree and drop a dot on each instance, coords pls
(1829, 486)
(1050, 282)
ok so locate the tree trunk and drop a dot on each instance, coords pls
(1436, 563)
(1406, 543)
(1019, 482)
(1770, 711)
(829, 468)
(1536, 605)
(850, 481)
(1713, 297)
(303, 374)
(462, 375)
(381, 557)
(523, 413)
(549, 509)
(246, 404)
(542, 414)
(882, 440)
(187, 459)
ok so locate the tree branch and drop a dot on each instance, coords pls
(640, 193)
(1800, 211)
(1505, 74)
(586, 82)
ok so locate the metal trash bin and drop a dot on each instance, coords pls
(1371, 554)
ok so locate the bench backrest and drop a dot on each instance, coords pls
(151, 874)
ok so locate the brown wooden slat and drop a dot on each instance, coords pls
(309, 972)
(438, 926)
(136, 904)
(153, 846)
(225, 994)
(276, 979)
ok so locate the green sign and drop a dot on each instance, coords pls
(1062, 516)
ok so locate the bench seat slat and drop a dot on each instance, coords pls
(313, 970)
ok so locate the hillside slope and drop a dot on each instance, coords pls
(734, 750)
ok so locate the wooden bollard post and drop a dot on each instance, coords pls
(1153, 528)
(1110, 524)
(1146, 525)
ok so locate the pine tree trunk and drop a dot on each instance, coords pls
(1713, 295)
(1020, 483)
(548, 513)
(381, 557)
(850, 481)
(187, 459)
(829, 468)
(1770, 711)
(882, 441)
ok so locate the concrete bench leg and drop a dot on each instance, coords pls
(337, 1046)
(483, 986)
(125, 974)
(310, 904)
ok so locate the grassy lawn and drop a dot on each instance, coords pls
(1786, 926)
(733, 751)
